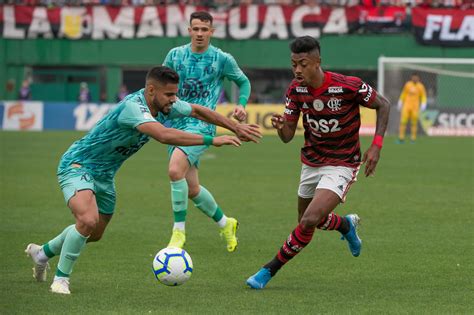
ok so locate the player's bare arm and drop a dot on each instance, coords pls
(177, 137)
(286, 129)
(245, 132)
(372, 155)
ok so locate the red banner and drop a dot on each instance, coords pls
(107, 22)
(444, 27)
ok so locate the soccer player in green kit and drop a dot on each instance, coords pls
(202, 68)
(86, 171)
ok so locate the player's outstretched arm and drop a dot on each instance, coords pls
(177, 137)
(245, 132)
(372, 155)
(286, 128)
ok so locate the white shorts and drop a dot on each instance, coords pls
(335, 178)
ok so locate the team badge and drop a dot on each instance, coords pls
(318, 105)
(334, 104)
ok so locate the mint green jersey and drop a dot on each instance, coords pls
(115, 137)
(201, 80)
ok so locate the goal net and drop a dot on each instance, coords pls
(449, 84)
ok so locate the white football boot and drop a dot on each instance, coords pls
(60, 285)
(40, 268)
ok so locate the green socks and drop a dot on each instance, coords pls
(206, 203)
(72, 246)
(179, 199)
(53, 247)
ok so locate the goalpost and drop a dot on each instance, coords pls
(449, 84)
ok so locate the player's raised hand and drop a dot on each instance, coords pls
(371, 158)
(239, 113)
(248, 132)
(277, 121)
(226, 140)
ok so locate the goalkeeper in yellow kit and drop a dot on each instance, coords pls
(412, 99)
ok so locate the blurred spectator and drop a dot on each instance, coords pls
(123, 91)
(84, 93)
(25, 91)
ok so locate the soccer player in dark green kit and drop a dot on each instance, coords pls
(86, 171)
(202, 68)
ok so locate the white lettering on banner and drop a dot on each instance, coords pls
(337, 23)
(176, 21)
(87, 114)
(98, 22)
(21, 115)
(442, 24)
(461, 120)
(297, 21)
(40, 24)
(9, 30)
(433, 24)
(122, 26)
(273, 23)
(150, 24)
(235, 29)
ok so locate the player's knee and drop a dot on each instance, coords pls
(174, 173)
(87, 224)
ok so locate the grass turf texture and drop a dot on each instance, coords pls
(417, 219)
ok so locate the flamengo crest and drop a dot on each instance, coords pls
(334, 104)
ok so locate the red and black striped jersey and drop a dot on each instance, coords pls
(331, 118)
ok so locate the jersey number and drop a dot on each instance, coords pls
(323, 125)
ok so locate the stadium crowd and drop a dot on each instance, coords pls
(463, 4)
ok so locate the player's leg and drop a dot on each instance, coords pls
(84, 208)
(403, 124)
(414, 125)
(205, 202)
(321, 205)
(178, 167)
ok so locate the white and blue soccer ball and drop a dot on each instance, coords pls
(172, 266)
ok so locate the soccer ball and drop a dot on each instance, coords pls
(172, 266)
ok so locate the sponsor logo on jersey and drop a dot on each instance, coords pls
(147, 116)
(366, 88)
(305, 106)
(334, 104)
(301, 89)
(287, 101)
(288, 111)
(318, 105)
(335, 89)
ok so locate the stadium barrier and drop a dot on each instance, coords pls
(37, 116)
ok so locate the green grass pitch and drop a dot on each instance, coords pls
(417, 231)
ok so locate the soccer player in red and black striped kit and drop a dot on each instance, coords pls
(331, 157)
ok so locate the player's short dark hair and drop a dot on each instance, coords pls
(305, 44)
(201, 15)
(163, 75)
(415, 74)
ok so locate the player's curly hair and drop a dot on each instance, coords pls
(305, 44)
(201, 15)
(163, 75)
